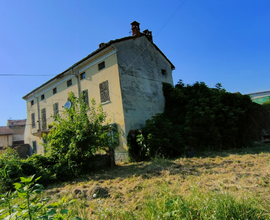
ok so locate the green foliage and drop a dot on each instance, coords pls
(203, 206)
(10, 169)
(137, 149)
(71, 145)
(31, 205)
(75, 138)
(202, 118)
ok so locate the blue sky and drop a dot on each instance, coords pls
(224, 41)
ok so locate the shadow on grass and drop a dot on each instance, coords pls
(257, 149)
(158, 166)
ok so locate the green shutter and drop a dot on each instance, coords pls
(85, 97)
(104, 91)
(55, 109)
(114, 131)
(43, 118)
(33, 120)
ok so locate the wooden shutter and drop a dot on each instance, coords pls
(104, 91)
(113, 133)
(33, 120)
(55, 109)
(85, 97)
(43, 118)
(34, 143)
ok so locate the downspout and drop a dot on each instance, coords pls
(39, 128)
(78, 82)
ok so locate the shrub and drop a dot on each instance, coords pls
(201, 118)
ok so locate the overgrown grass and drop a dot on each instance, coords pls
(215, 185)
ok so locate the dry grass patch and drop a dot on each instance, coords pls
(128, 187)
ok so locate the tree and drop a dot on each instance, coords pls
(77, 135)
(202, 118)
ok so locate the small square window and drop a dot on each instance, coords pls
(82, 76)
(69, 83)
(163, 72)
(101, 65)
(54, 90)
(42, 97)
(32, 102)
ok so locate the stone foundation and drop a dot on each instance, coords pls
(121, 157)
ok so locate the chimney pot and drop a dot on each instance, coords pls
(135, 27)
(101, 45)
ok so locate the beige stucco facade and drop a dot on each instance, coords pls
(93, 77)
(134, 84)
(6, 140)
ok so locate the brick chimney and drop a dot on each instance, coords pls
(135, 27)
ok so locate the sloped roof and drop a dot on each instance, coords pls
(5, 130)
(16, 122)
(105, 45)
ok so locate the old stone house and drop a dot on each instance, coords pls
(124, 75)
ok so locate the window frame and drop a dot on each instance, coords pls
(69, 83)
(32, 102)
(164, 72)
(85, 96)
(34, 145)
(43, 119)
(101, 65)
(42, 97)
(55, 109)
(54, 90)
(104, 92)
(33, 121)
(82, 76)
(113, 130)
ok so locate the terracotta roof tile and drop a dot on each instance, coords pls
(16, 122)
(5, 130)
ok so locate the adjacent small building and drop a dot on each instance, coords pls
(18, 127)
(260, 97)
(6, 137)
(124, 75)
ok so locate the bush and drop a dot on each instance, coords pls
(202, 118)
(71, 145)
(10, 169)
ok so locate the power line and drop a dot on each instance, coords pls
(13, 74)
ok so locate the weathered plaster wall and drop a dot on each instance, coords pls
(18, 133)
(6, 140)
(93, 77)
(141, 83)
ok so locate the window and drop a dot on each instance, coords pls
(101, 65)
(43, 119)
(32, 102)
(33, 120)
(113, 134)
(34, 144)
(163, 72)
(42, 97)
(104, 92)
(69, 83)
(82, 76)
(85, 96)
(55, 109)
(54, 91)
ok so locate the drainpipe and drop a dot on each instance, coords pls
(39, 128)
(78, 81)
